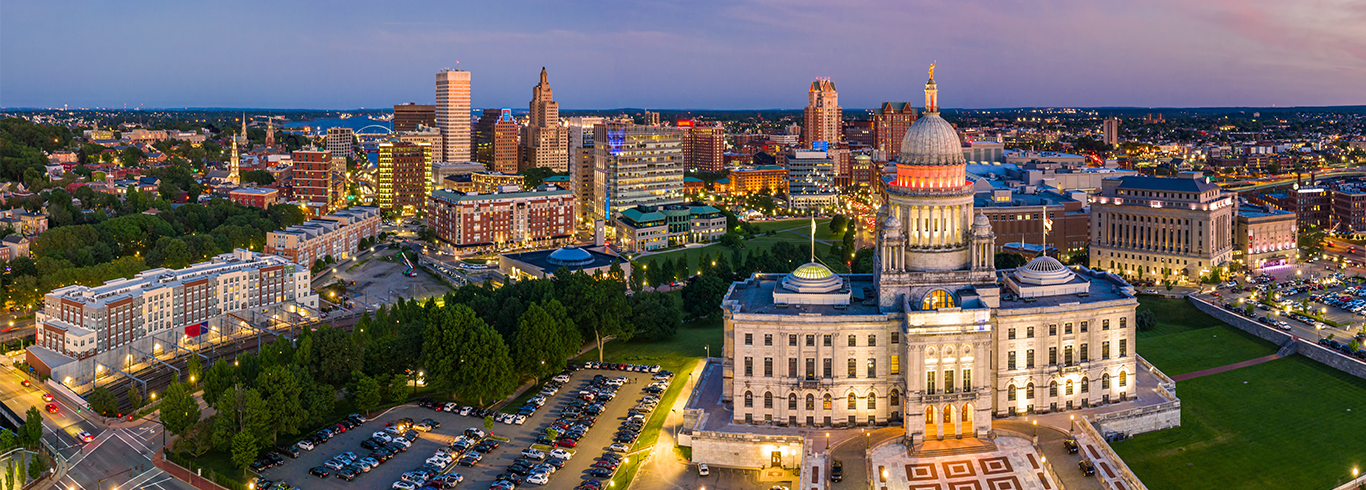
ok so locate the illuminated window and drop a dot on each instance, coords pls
(937, 299)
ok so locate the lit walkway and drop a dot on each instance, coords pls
(1229, 367)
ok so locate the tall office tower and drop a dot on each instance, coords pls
(822, 121)
(407, 117)
(890, 124)
(339, 141)
(483, 136)
(581, 165)
(430, 136)
(453, 114)
(404, 175)
(705, 147)
(651, 118)
(543, 139)
(810, 179)
(635, 165)
(1110, 130)
(505, 143)
(313, 181)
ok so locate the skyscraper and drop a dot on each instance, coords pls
(453, 114)
(483, 136)
(636, 165)
(581, 164)
(505, 143)
(408, 116)
(312, 174)
(543, 139)
(823, 113)
(339, 141)
(705, 147)
(890, 124)
(1110, 131)
(404, 175)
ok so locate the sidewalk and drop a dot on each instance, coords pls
(1229, 367)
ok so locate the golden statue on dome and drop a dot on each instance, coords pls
(932, 69)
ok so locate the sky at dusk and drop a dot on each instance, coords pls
(702, 54)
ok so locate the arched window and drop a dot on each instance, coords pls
(826, 402)
(810, 402)
(1029, 391)
(872, 401)
(1105, 381)
(853, 402)
(937, 299)
(852, 341)
(1052, 388)
(1123, 379)
(1085, 386)
(1069, 388)
(1010, 393)
(895, 398)
(792, 401)
(768, 399)
(749, 400)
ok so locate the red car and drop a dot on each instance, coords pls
(566, 442)
(25, 383)
(47, 397)
(52, 408)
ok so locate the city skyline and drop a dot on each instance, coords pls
(1157, 54)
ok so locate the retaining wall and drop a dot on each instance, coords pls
(1289, 343)
(1143, 419)
(1126, 477)
(1332, 358)
(1241, 322)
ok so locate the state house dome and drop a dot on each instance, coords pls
(931, 141)
(812, 278)
(1042, 271)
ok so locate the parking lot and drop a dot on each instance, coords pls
(593, 444)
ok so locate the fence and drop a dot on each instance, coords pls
(181, 471)
(1126, 476)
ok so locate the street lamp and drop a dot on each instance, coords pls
(827, 441)
(1074, 422)
(1036, 430)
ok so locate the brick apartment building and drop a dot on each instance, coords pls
(543, 217)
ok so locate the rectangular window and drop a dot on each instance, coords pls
(827, 341)
(1010, 334)
(1123, 347)
(896, 337)
(1083, 352)
(872, 367)
(1105, 324)
(749, 339)
(810, 340)
(929, 382)
(948, 381)
(1067, 355)
(1010, 360)
(852, 342)
(792, 367)
(768, 339)
(1029, 359)
(1052, 329)
(1067, 328)
(749, 366)
(1123, 322)
(1104, 350)
(894, 364)
(827, 369)
(872, 341)
(1052, 356)
(1029, 332)
(792, 340)
(1083, 326)
(768, 367)
(853, 368)
(967, 380)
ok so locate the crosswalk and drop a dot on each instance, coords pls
(145, 476)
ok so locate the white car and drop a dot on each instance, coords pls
(560, 453)
(563, 378)
(438, 462)
(450, 407)
(521, 419)
(619, 447)
(539, 479)
(465, 410)
(401, 441)
(404, 485)
(305, 445)
(702, 469)
(382, 435)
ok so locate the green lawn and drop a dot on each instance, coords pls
(800, 237)
(1193, 350)
(1174, 315)
(1279, 424)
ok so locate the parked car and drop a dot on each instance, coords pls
(1071, 446)
(837, 471)
(320, 471)
(1087, 468)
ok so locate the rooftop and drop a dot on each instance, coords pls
(1099, 286)
(542, 191)
(755, 296)
(542, 260)
(1172, 184)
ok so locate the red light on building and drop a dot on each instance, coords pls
(685, 124)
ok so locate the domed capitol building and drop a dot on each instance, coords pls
(936, 338)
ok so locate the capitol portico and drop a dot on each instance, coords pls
(936, 338)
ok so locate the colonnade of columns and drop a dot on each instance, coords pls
(937, 226)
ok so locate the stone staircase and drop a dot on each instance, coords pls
(985, 446)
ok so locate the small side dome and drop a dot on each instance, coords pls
(813, 270)
(1043, 270)
(812, 278)
(570, 256)
(981, 220)
(891, 223)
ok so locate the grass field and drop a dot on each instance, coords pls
(794, 231)
(1187, 340)
(1279, 424)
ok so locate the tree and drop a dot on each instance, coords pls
(334, 356)
(244, 448)
(131, 156)
(103, 402)
(837, 223)
(282, 390)
(656, 315)
(732, 241)
(1311, 242)
(441, 350)
(37, 466)
(1146, 320)
(863, 261)
(135, 397)
(702, 297)
(179, 411)
(484, 368)
(193, 370)
(33, 427)
(258, 177)
(365, 395)
(1009, 260)
(536, 346)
